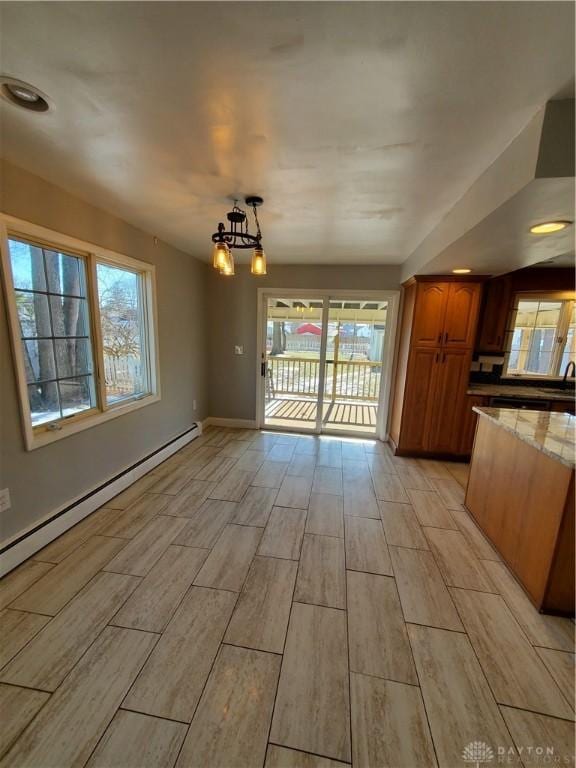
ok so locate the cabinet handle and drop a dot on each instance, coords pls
(497, 341)
(439, 338)
(445, 337)
(444, 357)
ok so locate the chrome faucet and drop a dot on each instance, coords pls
(570, 363)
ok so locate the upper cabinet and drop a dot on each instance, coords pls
(446, 314)
(494, 316)
(461, 315)
(429, 313)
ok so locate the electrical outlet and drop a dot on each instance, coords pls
(5, 503)
(193, 405)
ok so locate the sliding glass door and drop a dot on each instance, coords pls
(324, 361)
(292, 364)
(353, 365)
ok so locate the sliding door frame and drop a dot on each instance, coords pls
(324, 295)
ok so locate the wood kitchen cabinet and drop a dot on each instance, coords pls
(429, 314)
(562, 406)
(436, 387)
(469, 421)
(437, 332)
(420, 387)
(446, 314)
(523, 499)
(450, 382)
(494, 315)
(461, 315)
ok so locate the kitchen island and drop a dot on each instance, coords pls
(521, 494)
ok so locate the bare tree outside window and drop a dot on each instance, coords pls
(121, 318)
(50, 291)
(82, 324)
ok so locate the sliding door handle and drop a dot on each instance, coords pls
(263, 369)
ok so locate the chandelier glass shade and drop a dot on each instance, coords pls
(258, 264)
(220, 254)
(238, 236)
(228, 268)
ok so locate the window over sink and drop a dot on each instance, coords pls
(541, 338)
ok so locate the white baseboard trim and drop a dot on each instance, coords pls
(29, 541)
(215, 421)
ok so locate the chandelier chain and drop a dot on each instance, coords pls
(258, 232)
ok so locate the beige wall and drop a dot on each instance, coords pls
(201, 316)
(232, 320)
(43, 479)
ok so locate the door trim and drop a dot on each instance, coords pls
(393, 297)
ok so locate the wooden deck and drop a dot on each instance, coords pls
(356, 416)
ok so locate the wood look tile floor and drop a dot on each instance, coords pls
(264, 600)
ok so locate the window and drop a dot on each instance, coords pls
(50, 294)
(83, 332)
(541, 339)
(122, 320)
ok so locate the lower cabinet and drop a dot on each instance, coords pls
(469, 421)
(451, 375)
(436, 383)
(562, 406)
(418, 399)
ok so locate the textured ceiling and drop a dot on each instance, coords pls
(360, 123)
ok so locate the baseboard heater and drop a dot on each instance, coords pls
(26, 543)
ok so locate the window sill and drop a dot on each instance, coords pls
(41, 437)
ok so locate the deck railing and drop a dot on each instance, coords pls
(344, 379)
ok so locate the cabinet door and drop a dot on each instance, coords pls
(418, 398)
(469, 419)
(562, 406)
(450, 384)
(429, 314)
(494, 315)
(461, 315)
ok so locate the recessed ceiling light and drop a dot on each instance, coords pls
(23, 95)
(461, 271)
(547, 227)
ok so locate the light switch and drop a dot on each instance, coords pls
(238, 349)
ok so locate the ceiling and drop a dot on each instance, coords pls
(361, 124)
(560, 262)
(502, 242)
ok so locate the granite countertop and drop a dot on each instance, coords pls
(521, 391)
(551, 433)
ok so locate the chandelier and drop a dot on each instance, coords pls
(237, 236)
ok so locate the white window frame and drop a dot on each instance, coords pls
(44, 434)
(566, 297)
